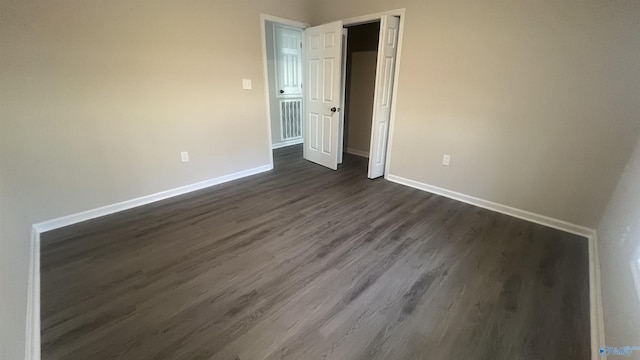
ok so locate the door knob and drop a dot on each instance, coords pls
(281, 91)
(334, 109)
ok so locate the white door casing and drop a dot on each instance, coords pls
(343, 81)
(387, 50)
(323, 69)
(288, 51)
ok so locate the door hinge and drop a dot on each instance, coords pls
(300, 45)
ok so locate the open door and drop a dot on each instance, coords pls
(343, 79)
(387, 49)
(323, 66)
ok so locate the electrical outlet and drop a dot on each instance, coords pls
(446, 160)
(246, 84)
(184, 156)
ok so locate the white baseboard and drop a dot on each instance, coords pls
(32, 341)
(287, 143)
(358, 152)
(32, 344)
(129, 204)
(595, 299)
(504, 209)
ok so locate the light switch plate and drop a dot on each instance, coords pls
(446, 160)
(246, 84)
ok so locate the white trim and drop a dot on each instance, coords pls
(265, 67)
(343, 94)
(32, 341)
(283, 21)
(358, 152)
(287, 143)
(265, 71)
(129, 204)
(504, 209)
(364, 19)
(595, 299)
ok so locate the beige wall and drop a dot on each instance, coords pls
(536, 101)
(362, 83)
(619, 245)
(98, 98)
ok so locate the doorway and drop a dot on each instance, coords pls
(348, 75)
(361, 61)
(283, 44)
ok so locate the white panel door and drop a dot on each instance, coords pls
(387, 49)
(323, 69)
(288, 43)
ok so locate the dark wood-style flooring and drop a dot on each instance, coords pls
(306, 263)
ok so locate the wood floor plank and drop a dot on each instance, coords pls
(307, 263)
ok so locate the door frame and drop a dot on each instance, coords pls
(364, 19)
(265, 66)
